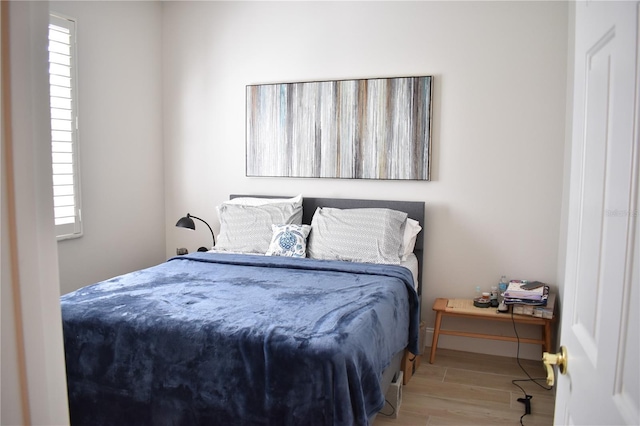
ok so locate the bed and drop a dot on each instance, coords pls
(234, 338)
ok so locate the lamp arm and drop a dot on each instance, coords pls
(212, 235)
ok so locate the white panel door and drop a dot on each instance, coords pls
(600, 323)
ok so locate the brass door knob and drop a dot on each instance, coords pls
(559, 359)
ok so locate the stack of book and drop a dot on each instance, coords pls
(530, 298)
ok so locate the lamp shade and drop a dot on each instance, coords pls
(186, 222)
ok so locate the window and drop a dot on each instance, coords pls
(64, 126)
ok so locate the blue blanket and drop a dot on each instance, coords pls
(220, 339)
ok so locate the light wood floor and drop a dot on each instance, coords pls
(462, 388)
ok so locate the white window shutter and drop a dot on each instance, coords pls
(64, 126)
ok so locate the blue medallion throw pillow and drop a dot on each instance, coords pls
(289, 240)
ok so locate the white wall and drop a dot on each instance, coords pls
(564, 216)
(33, 377)
(120, 114)
(494, 203)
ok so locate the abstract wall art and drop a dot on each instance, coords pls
(377, 128)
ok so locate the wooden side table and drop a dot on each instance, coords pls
(466, 310)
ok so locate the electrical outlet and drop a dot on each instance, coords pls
(180, 251)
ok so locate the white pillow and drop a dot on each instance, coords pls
(369, 235)
(257, 201)
(289, 240)
(247, 229)
(411, 230)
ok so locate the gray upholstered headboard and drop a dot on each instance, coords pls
(415, 210)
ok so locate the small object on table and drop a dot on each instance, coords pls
(494, 296)
(503, 308)
(532, 285)
(482, 302)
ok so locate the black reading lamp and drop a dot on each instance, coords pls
(187, 222)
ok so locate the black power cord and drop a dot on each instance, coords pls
(393, 409)
(526, 400)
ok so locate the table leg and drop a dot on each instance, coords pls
(436, 334)
(547, 336)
